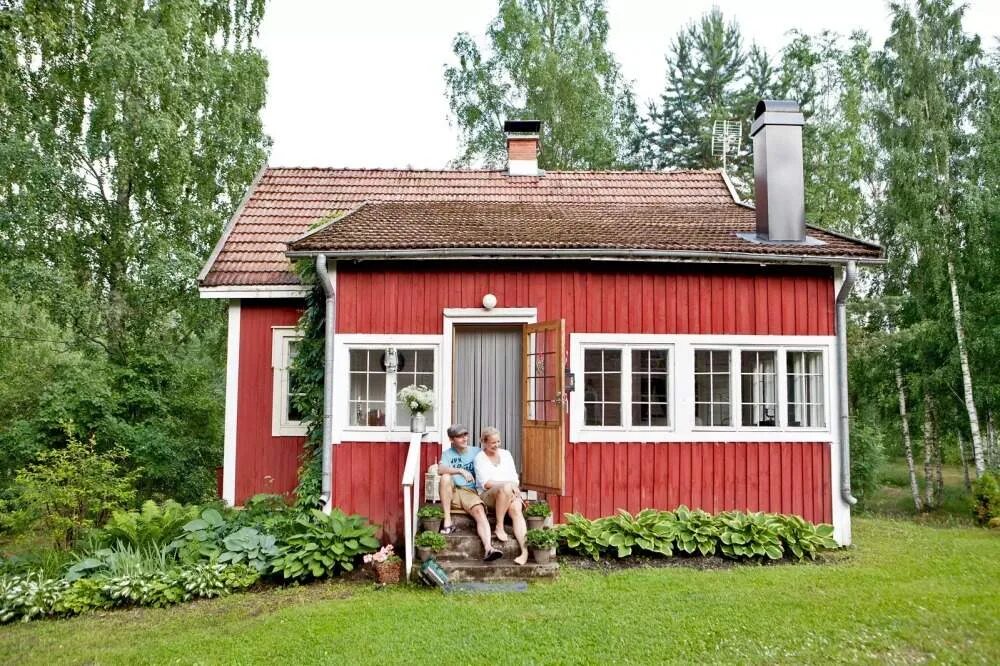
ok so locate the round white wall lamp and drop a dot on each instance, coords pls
(489, 301)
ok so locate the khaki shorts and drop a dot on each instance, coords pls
(464, 499)
(490, 496)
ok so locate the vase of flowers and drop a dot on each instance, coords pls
(418, 399)
(385, 565)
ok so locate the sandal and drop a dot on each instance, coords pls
(493, 554)
(450, 529)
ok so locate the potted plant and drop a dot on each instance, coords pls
(385, 565)
(418, 399)
(536, 513)
(430, 516)
(542, 544)
(428, 543)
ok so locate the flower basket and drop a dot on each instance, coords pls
(387, 572)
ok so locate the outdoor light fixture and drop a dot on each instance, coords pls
(570, 380)
(390, 360)
(489, 301)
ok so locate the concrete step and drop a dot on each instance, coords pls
(466, 546)
(504, 569)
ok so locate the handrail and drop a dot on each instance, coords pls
(411, 498)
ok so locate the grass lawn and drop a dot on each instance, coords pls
(906, 593)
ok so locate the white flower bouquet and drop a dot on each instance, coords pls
(417, 398)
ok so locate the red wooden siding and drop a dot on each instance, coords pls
(714, 476)
(264, 464)
(634, 299)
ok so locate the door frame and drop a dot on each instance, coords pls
(474, 316)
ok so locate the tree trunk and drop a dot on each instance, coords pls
(965, 464)
(963, 357)
(993, 457)
(938, 470)
(928, 453)
(907, 443)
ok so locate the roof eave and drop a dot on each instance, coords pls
(231, 223)
(597, 254)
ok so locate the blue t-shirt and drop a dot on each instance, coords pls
(452, 458)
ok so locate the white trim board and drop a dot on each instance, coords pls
(232, 403)
(259, 291)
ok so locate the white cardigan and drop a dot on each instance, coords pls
(487, 471)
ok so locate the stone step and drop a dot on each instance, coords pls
(463, 545)
(463, 571)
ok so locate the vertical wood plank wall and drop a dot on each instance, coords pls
(600, 477)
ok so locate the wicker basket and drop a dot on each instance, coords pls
(387, 572)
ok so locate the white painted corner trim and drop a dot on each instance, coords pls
(232, 402)
(260, 291)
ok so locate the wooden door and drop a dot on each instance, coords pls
(543, 440)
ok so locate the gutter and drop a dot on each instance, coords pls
(326, 492)
(850, 275)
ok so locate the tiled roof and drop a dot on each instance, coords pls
(709, 229)
(284, 203)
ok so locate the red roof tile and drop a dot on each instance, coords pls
(284, 203)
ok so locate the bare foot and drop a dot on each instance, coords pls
(522, 558)
(501, 535)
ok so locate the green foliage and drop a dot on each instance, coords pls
(696, 532)
(153, 525)
(538, 509)
(69, 490)
(323, 544)
(202, 537)
(430, 511)
(986, 498)
(28, 597)
(542, 539)
(804, 539)
(269, 514)
(248, 546)
(433, 540)
(548, 61)
(121, 560)
(748, 535)
(867, 459)
(581, 535)
(650, 530)
(307, 371)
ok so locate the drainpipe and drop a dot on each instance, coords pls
(850, 275)
(326, 494)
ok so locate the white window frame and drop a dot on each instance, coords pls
(681, 396)
(626, 350)
(343, 431)
(281, 424)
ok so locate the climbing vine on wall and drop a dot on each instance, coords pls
(307, 374)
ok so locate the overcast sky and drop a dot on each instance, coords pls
(360, 84)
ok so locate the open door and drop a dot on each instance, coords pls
(543, 440)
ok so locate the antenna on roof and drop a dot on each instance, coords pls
(726, 137)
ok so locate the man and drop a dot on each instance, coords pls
(458, 488)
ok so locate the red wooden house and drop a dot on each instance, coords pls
(642, 339)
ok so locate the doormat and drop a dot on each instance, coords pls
(486, 588)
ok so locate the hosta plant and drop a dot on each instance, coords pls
(749, 535)
(581, 535)
(696, 531)
(803, 539)
(323, 544)
(202, 537)
(247, 545)
(28, 597)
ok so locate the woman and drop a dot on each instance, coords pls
(497, 479)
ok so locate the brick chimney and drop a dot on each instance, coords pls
(522, 146)
(777, 171)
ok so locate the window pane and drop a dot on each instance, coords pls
(602, 387)
(649, 387)
(612, 359)
(702, 388)
(359, 359)
(711, 387)
(758, 388)
(702, 360)
(806, 401)
(702, 414)
(592, 360)
(592, 414)
(612, 415)
(612, 387)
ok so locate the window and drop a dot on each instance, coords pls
(626, 387)
(285, 417)
(759, 388)
(805, 389)
(602, 387)
(711, 387)
(372, 401)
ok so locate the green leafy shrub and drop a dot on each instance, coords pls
(321, 544)
(542, 539)
(68, 491)
(152, 525)
(697, 531)
(81, 596)
(28, 597)
(581, 535)
(868, 444)
(121, 560)
(248, 546)
(430, 512)
(538, 509)
(986, 498)
(803, 539)
(202, 537)
(650, 530)
(433, 540)
(270, 514)
(748, 535)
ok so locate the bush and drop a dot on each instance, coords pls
(248, 546)
(430, 512)
(867, 459)
(202, 537)
(581, 535)
(986, 498)
(68, 491)
(269, 514)
(321, 544)
(153, 525)
(538, 509)
(697, 532)
(122, 560)
(542, 539)
(804, 539)
(436, 542)
(748, 535)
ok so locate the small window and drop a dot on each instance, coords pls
(367, 387)
(806, 407)
(759, 377)
(416, 366)
(286, 419)
(294, 385)
(650, 388)
(602, 387)
(711, 387)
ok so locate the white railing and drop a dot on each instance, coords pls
(411, 498)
